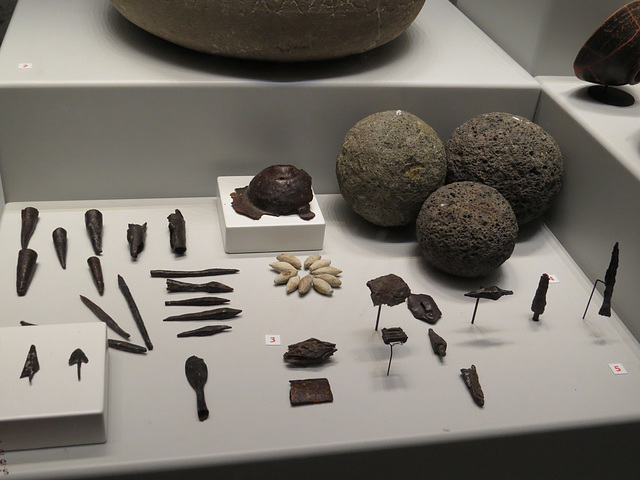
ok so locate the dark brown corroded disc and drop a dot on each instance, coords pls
(611, 56)
(312, 390)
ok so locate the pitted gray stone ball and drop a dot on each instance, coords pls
(511, 154)
(389, 164)
(466, 229)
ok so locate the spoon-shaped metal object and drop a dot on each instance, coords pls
(197, 373)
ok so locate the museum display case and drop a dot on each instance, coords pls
(98, 114)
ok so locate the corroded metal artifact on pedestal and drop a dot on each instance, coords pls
(276, 190)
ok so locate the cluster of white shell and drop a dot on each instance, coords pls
(322, 276)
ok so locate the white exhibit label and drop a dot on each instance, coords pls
(617, 369)
(272, 339)
(25, 65)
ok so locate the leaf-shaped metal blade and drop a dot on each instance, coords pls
(78, 358)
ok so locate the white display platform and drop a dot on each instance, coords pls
(548, 385)
(544, 36)
(106, 110)
(598, 204)
(241, 234)
(54, 409)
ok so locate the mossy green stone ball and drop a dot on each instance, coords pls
(390, 162)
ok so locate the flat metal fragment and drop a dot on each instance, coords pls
(31, 364)
(423, 307)
(388, 290)
(207, 331)
(394, 335)
(209, 287)
(311, 390)
(310, 352)
(491, 293)
(471, 380)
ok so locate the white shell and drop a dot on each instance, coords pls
(322, 287)
(310, 259)
(283, 267)
(305, 284)
(290, 259)
(292, 284)
(330, 270)
(283, 277)
(330, 279)
(323, 262)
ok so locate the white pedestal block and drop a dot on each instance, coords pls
(55, 409)
(241, 234)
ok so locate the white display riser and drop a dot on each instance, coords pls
(598, 205)
(106, 110)
(544, 36)
(549, 386)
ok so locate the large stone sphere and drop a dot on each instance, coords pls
(389, 164)
(511, 154)
(280, 30)
(466, 229)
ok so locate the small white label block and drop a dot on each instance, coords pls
(617, 369)
(272, 339)
(55, 409)
(241, 234)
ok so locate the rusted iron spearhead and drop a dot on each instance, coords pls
(177, 232)
(78, 357)
(27, 259)
(610, 281)
(29, 216)
(59, 236)
(136, 236)
(95, 267)
(540, 298)
(31, 364)
(93, 222)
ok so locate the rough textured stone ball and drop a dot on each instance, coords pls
(511, 154)
(390, 162)
(466, 229)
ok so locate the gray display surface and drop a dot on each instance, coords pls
(102, 98)
(551, 375)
